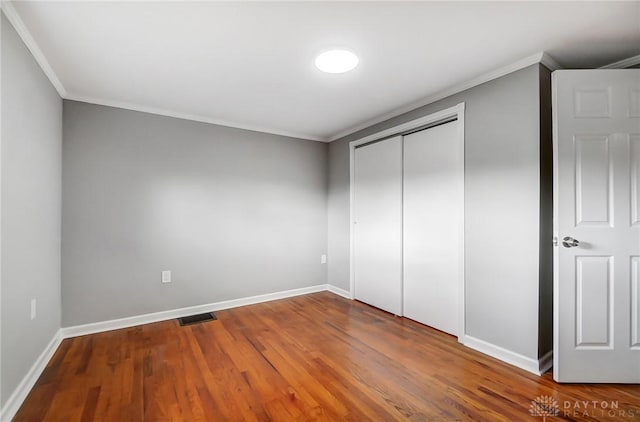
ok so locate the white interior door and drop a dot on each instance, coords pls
(596, 286)
(432, 239)
(377, 230)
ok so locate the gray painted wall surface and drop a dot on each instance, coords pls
(545, 343)
(31, 160)
(502, 203)
(338, 214)
(232, 213)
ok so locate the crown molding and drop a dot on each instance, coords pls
(549, 62)
(540, 57)
(15, 19)
(623, 64)
(12, 15)
(187, 116)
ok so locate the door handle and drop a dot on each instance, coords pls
(570, 242)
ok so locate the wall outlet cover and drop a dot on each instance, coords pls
(166, 276)
(33, 309)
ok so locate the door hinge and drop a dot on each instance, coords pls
(555, 240)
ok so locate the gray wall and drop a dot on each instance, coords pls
(31, 159)
(502, 207)
(232, 213)
(338, 214)
(545, 343)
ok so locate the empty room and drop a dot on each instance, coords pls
(313, 210)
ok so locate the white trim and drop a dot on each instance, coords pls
(187, 116)
(623, 64)
(116, 324)
(16, 21)
(556, 248)
(549, 62)
(456, 111)
(20, 393)
(422, 121)
(540, 57)
(512, 358)
(12, 15)
(338, 291)
(461, 240)
(1, 396)
(22, 390)
(545, 362)
(402, 225)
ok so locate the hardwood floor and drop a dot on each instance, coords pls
(313, 357)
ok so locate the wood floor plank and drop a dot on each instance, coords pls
(317, 357)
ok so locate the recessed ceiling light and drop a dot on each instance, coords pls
(336, 61)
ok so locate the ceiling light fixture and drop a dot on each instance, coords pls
(336, 61)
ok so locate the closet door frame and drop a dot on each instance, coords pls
(455, 112)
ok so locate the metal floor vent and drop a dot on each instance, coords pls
(194, 319)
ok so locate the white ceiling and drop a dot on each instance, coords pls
(251, 65)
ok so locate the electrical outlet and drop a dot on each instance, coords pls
(166, 276)
(323, 259)
(33, 309)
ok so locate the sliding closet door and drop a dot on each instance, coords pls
(377, 235)
(433, 212)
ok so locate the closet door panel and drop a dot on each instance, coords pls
(377, 254)
(433, 207)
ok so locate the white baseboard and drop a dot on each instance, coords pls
(545, 362)
(20, 393)
(14, 402)
(338, 291)
(16, 398)
(116, 324)
(512, 358)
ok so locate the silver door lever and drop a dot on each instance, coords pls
(570, 242)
